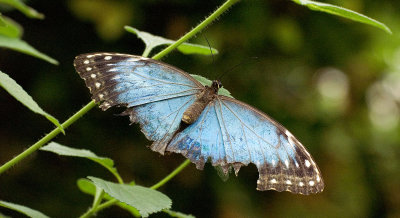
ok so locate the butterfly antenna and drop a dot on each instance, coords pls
(209, 46)
(212, 54)
(237, 65)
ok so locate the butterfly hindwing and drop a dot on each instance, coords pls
(156, 94)
(201, 141)
(160, 120)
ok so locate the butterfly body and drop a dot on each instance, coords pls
(206, 96)
(180, 115)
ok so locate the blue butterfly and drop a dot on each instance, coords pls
(181, 115)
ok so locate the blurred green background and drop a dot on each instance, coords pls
(333, 83)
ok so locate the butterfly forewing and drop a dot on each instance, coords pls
(119, 79)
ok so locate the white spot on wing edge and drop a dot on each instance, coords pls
(287, 163)
(307, 162)
(301, 184)
(97, 85)
(86, 61)
(107, 58)
(289, 134)
(290, 138)
(93, 75)
(88, 68)
(273, 181)
(90, 56)
(311, 183)
(288, 182)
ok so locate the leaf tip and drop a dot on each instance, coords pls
(387, 30)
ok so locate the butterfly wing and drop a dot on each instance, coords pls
(156, 94)
(232, 133)
(202, 140)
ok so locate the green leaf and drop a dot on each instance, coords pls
(10, 28)
(86, 186)
(18, 93)
(144, 199)
(73, 152)
(153, 41)
(342, 12)
(206, 82)
(2, 21)
(21, 46)
(178, 214)
(189, 48)
(28, 11)
(22, 209)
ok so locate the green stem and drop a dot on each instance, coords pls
(146, 51)
(120, 181)
(47, 138)
(114, 172)
(102, 206)
(98, 197)
(171, 175)
(197, 29)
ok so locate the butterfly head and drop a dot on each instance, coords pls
(216, 84)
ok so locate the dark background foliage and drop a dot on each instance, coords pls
(332, 82)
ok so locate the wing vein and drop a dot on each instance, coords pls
(240, 120)
(132, 71)
(226, 130)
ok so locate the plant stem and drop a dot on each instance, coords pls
(98, 197)
(197, 29)
(171, 175)
(146, 51)
(98, 208)
(47, 138)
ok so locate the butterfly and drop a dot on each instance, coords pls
(180, 115)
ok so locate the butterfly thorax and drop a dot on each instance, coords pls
(208, 94)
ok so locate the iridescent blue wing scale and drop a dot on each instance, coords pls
(231, 133)
(282, 161)
(201, 141)
(156, 94)
(120, 79)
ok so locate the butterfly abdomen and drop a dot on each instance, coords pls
(194, 110)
